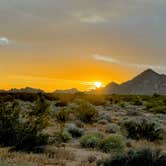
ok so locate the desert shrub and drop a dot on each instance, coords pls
(143, 157)
(91, 140)
(112, 128)
(74, 130)
(161, 109)
(143, 129)
(62, 116)
(112, 143)
(155, 95)
(96, 99)
(86, 112)
(3, 163)
(61, 104)
(62, 136)
(103, 121)
(9, 124)
(104, 116)
(156, 106)
(23, 133)
(137, 102)
(122, 104)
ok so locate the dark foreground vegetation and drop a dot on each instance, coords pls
(88, 126)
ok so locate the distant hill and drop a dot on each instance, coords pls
(68, 91)
(146, 83)
(25, 90)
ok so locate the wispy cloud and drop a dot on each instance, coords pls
(4, 41)
(134, 65)
(90, 18)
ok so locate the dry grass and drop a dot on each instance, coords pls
(58, 157)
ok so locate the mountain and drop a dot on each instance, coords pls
(146, 83)
(68, 91)
(111, 87)
(25, 90)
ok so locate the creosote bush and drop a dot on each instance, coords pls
(86, 112)
(113, 128)
(62, 116)
(24, 132)
(143, 129)
(112, 143)
(142, 157)
(91, 140)
(62, 136)
(74, 130)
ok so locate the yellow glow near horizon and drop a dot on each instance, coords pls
(98, 84)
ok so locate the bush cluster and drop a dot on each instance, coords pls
(86, 112)
(112, 143)
(142, 157)
(113, 128)
(91, 140)
(62, 136)
(74, 130)
(24, 133)
(143, 129)
(62, 116)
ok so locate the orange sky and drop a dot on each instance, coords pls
(64, 44)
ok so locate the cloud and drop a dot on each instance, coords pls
(134, 65)
(90, 18)
(105, 58)
(4, 41)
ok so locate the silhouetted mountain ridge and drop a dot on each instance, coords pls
(146, 83)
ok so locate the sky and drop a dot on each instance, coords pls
(61, 44)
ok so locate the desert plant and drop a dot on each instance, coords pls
(112, 128)
(112, 143)
(91, 140)
(122, 104)
(23, 133)
(61, 136)
(143, 157)
(62, 116)
(143, 129)
(74, 130)
(161, 109)
(86, 112)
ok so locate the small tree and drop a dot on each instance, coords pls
(23, 133)
(86, 112)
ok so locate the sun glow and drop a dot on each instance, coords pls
(98, 84)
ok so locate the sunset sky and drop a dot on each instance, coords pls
(61, 44)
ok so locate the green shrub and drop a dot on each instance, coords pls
(143, 157)
(86, 112)
(113, 128)
(90, 140)
(122, 104)
(74, 130)
(23, 132)
(62, 116)
(156, 106)
(96, 99)
(62, 136)
(161, 109)
(143, 129)
(137, 102)
(112, 143)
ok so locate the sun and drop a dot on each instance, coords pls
(98, 84)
